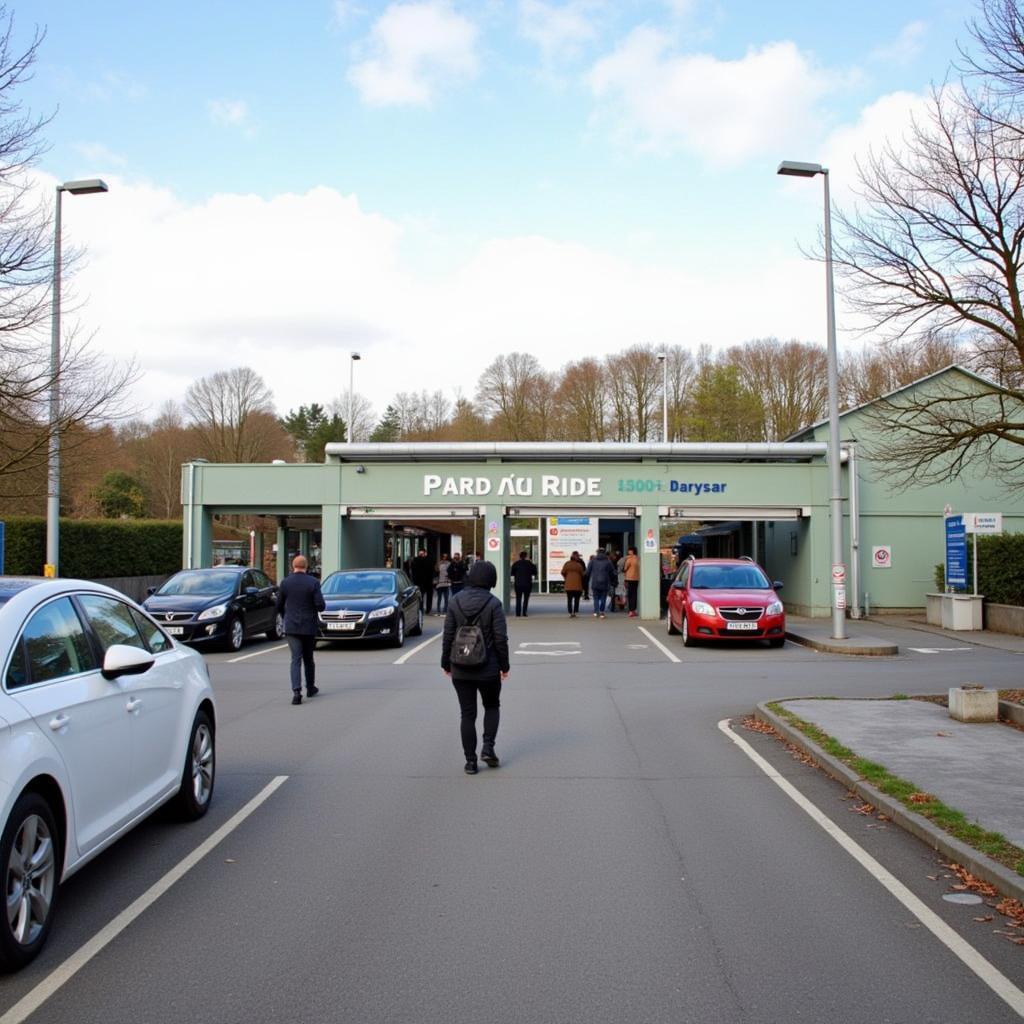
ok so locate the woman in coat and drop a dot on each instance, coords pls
(631, 570)
(573, 572)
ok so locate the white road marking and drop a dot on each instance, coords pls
(550, 643)
(938, 650)
(405, 657)
(548, 654)
(657, 643)
(31, 1002)
(256, 654)
(968, 955)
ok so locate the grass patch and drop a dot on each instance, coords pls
(950, 820)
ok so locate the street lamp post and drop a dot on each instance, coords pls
(76, 188)
(663, 359)
(837, 576)
(354, 357)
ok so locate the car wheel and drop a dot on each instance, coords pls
(399, 637)
(277, 630)
(29, 851)
(776, 641)
(236, 635)
(669, 625)
(417, 630)
(688, 640)
(200, 770)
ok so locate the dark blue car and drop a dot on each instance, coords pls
(219, 607)
(371, 604)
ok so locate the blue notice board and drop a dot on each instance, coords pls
(956, 552)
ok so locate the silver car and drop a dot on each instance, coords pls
(103, 718)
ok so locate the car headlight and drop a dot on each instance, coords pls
(216, 612)
(381, 613)
(702, 608)
(775, 608)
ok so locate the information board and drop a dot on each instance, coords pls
(956, 552)
(567, 534)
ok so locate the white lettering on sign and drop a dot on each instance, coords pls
(511, 486)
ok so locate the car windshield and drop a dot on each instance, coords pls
(199, 584)
(729, 577)
(369, 584)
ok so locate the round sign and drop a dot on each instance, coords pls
(493, 543)
(838, 573)
(881, 557)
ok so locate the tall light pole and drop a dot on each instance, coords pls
(837, 577)
(76, 188)
(663, 359)
(353, 358)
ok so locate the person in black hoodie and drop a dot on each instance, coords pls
(476, 602)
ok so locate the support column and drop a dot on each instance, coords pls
(258, 550)
(305, 537)
(501, 557)
(282, 548)
(332, 526)
(649, 603)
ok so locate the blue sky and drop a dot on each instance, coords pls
(434, 182)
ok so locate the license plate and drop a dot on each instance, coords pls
(175, 630)
(341, 625)
(741, 625)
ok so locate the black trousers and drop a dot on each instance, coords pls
(428, 599)
(490, 696)
(632, 586)
(302, 648)
(522, 600)
(572, 599)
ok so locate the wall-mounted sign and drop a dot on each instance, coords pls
(650, 542)
(567, 534)
(546, 486)
(881, 557)
(983, 522)
(838, 573)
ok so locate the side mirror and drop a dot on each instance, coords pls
(150, 591)
(777, 585)
(679, 585)
(122, 660)
(251, 591)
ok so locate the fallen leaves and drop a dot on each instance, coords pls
(1012, 910)
(921, 798)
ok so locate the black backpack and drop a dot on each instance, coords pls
(469, 650)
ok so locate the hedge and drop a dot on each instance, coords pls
(1001, 568)
(95, 548)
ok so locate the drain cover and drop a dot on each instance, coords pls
(968, 898)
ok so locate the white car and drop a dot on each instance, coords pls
(103, 718)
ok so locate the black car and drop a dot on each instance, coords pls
(220, 606)
(371, 604)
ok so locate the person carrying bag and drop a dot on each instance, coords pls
(474, 654)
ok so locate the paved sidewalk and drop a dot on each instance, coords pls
(981, 637)
(862, 637)
(975, 768)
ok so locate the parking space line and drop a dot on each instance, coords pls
(968, 955)
(255, 654)
(405, 657)
(31, 1002)
(657, 643)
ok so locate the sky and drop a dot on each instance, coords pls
(432, 183)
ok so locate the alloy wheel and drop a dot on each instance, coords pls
(202, 764)
(31, 877)
(236, 636)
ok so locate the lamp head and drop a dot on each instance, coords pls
(796, 169)
(356, 357)
(84, 187)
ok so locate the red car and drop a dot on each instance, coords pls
(725, 599)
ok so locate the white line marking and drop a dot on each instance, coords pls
(969, 956)
(657, 643)
(262, 650)
(31, 1002)
(405, 657)
(549, 654)
(550, 643)
(938, 650)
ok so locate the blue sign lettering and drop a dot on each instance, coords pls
(696, 487)
(956, 552)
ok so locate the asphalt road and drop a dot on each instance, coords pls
(627, 863)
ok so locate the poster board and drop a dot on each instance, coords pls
(566, 534)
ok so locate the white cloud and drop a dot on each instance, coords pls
(289, 285)
(560, 30)
(905, 47)
(229, 113)
(413, 51)
(726, 110)
(99, 155)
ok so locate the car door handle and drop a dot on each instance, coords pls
(58, 722)
(133, 705)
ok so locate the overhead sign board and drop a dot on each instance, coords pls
(983, 522)
(956, 552)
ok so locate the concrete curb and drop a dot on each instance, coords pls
(1010, 712)
(1006, 881)
(865, 648)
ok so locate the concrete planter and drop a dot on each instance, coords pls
(1005, 618)
(955, 611)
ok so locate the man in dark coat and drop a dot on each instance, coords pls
(523, 574)
(299, 600)
(601, 579)
(457, 572)
(422, 572)
(477, 603)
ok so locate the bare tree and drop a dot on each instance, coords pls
(681, 374)
(636, 379)
(999, 33)
(233, 414)
(877, 370)
(514, 391)
(581, 399)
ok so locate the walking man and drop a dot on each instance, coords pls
(422, 572)
(477, 606)
(457, 572)
(299, 600)
(523, 573)
(601, 580)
